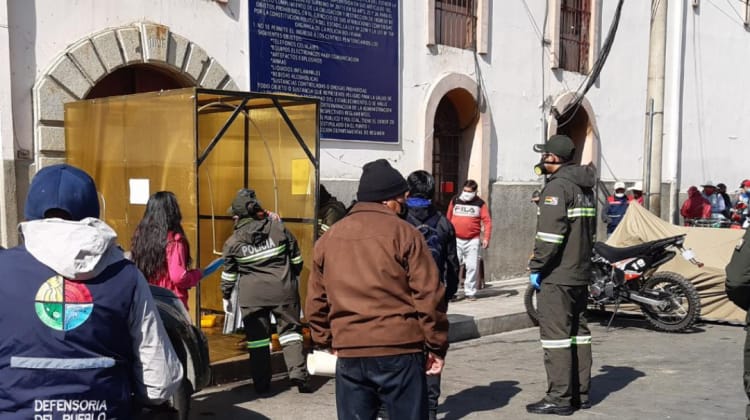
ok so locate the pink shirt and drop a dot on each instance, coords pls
(178, 277)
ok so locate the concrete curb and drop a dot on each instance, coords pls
(462, 327)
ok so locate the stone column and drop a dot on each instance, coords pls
(8, 209)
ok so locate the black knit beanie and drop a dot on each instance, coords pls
(380, 182)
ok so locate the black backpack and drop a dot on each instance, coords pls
(432, 237)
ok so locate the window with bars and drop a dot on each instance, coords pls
(575, 24)
(456, 23)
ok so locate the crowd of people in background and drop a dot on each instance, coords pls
(715, 204)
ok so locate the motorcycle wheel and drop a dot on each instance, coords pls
(529, 301)
(685, 305)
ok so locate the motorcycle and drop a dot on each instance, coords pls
(667, 299)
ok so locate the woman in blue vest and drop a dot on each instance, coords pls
(81, 336)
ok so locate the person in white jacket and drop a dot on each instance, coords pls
(81, 335)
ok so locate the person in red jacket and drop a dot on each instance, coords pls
(159, 247)
(469, 214)
(695, 207)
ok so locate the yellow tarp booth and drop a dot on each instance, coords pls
(203, 145)
(712, 246)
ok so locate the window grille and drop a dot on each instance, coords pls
(456, 23)
(575, 20)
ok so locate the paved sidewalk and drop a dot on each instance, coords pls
(499, 308)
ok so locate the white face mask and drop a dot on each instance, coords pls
(467, 196)
(619, 195)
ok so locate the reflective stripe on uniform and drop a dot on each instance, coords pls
(582, 212)
(259, 343)
(269, 253)
(324, 227)
(290, 338)
(228, 276)
(580, 339)
(61, 363)
(556, 344)
(297, 260)
(550, 237)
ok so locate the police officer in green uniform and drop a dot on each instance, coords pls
(560, 269)
(738, 291)
(262, 260)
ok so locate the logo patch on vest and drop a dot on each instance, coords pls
(550, 200)
(62, 304)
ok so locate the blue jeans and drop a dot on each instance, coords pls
(398, 382)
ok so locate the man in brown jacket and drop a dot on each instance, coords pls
(375, 299)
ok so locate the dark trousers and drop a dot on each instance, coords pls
(566, 340)
(398, 382)
(433, 395)
(257, 323)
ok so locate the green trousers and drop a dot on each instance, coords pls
(566, 341)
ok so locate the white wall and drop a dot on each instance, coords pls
(715, 128)
(40, 30)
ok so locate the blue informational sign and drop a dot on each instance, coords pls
(344, 52)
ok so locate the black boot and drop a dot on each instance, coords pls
(546, 407)
(303, 386)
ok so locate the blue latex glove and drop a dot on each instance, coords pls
(535, 279)
(213, 266)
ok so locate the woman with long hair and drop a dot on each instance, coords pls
(159, 247)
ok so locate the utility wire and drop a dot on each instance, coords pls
(596, 69)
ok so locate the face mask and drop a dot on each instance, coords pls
(619, 195)
(467, 196)
(540, 168)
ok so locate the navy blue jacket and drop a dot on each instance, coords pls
(615, 211)
(65, 346)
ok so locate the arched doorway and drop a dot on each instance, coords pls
(445, 153)
(575, 124)
(141, 57)
(138, 78)
(578, 123)
(457, 136)
(456, 155)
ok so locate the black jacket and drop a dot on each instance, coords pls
(263, 257)
(566, 227)
(449, 273)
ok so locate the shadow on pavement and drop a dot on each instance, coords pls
(496, 291)
(224, 404)
(479, 398)
(610, 380)
(627, 320)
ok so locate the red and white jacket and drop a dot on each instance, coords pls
(468, 217)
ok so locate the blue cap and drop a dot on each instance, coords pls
(62, 187)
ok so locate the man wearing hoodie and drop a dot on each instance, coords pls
(262, 262)
(560, 268)
(695, 207)
(80, 329)
(441, 240)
